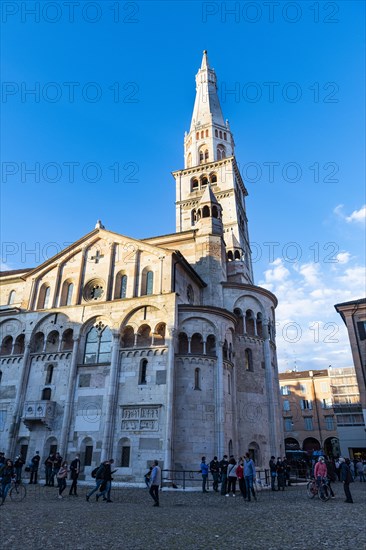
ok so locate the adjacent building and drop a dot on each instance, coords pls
(162, 348)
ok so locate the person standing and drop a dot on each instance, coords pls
(7, 473)
(155, 483)
(224, 463)
(18, 465)
(74, 473)
(57, 461)
(359, 469)
(215, 472)
(34, 468)
(204, 472)
(61, 478)
(249, 475)
(48, 464)
(281, 475)
(240, 476)
(346, 478)
(231, 472)
(273, 470)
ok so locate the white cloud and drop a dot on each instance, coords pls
(310, 333)
(357, 216)
(343, 257)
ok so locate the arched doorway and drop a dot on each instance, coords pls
(310, 444)
(291, 444)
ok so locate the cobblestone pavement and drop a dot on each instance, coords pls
(185, 520)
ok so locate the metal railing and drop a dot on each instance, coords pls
(193, 478)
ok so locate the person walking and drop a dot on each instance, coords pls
(155, 483)
(215, 472)
(204, 472)
(7, 474)
(34, 468)
(61, 478)
(359, 470)
(74, 473)
(249, 475)
(224, 463)
(99, 476)
(346, 478)
(104, 488)
(273, 471)
(240, 477)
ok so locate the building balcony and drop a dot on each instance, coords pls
(39, 413)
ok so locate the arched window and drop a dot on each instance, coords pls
(202, 134)
(144, 336)
(70, 290)
(143, 370)
(197, 135)
(149, 282)
(197, 385)
(128, 337)
(213, 178)
(159, 335)
(189, 160)
(225, 135)
(38, 342)
(220, 134)
(19, 345)
(194, 184)
(248, 360)
(123, 289)
(229, 384)
(7, 345)
(230, 256)
(259, 325)
(211, 345)
(237, 255)
(201, 156)
(183, 343)
(221, 152)
(239, 327)
(225, 349)
(215, 212)
(67, 340)
(46, 394)
(52, 342)
(204, 180)
(11, 298)
(193, 217)
(124, 446)
(1, 376)
(197, 344)
(230, 448)
(98, 345)
(49, 374)
(206, 154)
(205, 212)
(249, 322)
(44, 297)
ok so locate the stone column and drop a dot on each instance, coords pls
(169, 409)
(272, 420)
(112, 392)
(19, 402)
(204, 347)
(219, 398)
(189, 344)
(65, 429)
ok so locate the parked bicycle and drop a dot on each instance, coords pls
(322, 490)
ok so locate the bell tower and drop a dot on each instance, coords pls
(209, 160)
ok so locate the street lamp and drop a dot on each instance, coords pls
(311, 374)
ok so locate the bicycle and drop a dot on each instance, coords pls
(322, 491)
(17, 491)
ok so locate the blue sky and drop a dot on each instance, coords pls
(105, 128)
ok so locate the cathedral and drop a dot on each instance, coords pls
(161, 348)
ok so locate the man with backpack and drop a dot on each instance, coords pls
(98, 474)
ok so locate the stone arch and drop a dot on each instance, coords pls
(87, 447)
(50, 446)
(182, 343)
(211, 345)
(124, 453)
(128, 337)
(67, 340)
(159, 334)
(310, 444)
(144, 336)
(206, 212)
(197, 344)
(38, 342)
(249, 322)
(52, 341)
(291, 444)
(19, 345)
(255, 452)
(6, 345)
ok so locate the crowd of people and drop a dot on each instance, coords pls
(226, 474)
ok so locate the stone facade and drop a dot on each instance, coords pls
(162, 348)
